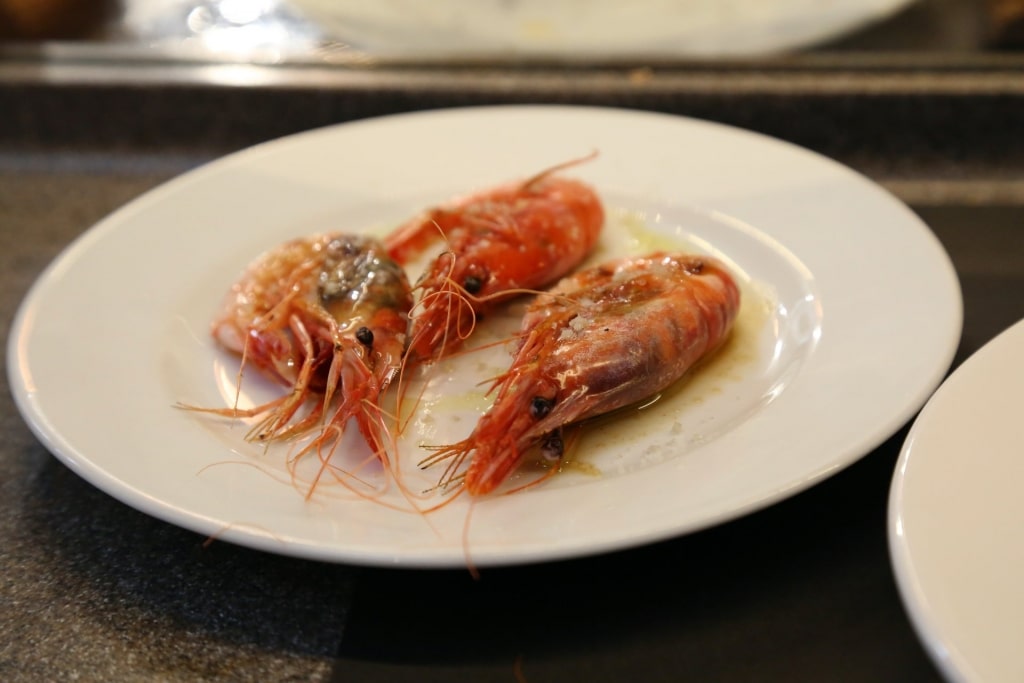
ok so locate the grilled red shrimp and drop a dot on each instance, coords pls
(523, 235)
(326, 316)
(602, 339)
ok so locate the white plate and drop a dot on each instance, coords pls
(956, 517)
(851, 316)
(591, 29)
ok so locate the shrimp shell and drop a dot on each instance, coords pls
(325, 316)
(604, 338)
(523, 235)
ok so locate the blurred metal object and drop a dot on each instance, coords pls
(259, 31)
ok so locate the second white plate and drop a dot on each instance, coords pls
(956, 517)
(851, 316)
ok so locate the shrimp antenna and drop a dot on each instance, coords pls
(452, 297)
(470, 565)
(559, 167)
(241, 371)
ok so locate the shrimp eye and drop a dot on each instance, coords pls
(540, 407)
(365, 336)
(472, 284)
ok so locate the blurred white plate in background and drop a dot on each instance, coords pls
(590, 28)
(287, 30)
